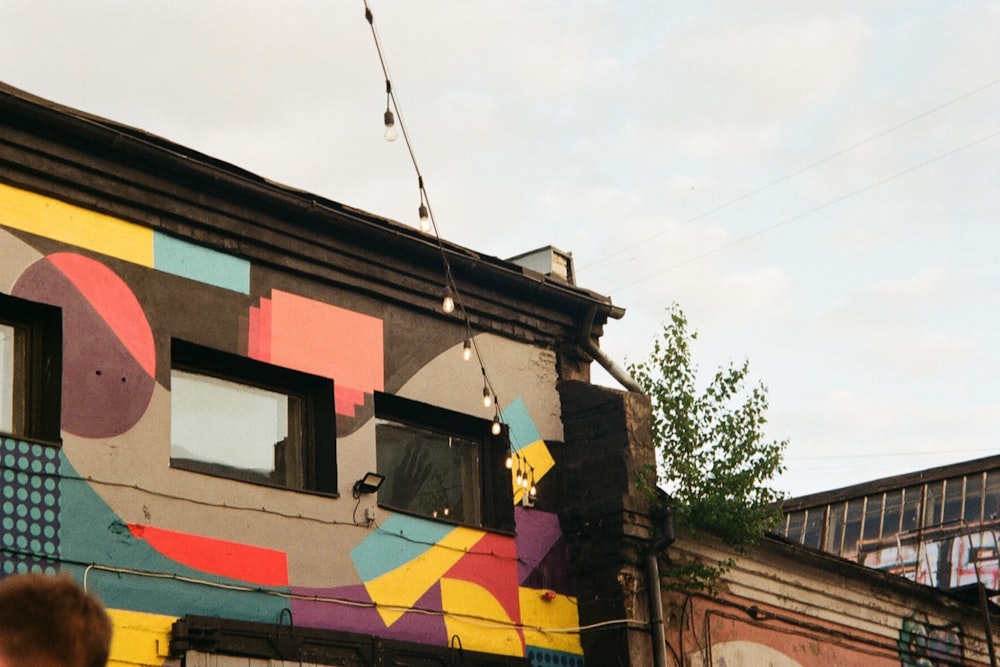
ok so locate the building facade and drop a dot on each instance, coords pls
(938, 527)
(786, 605)
(237, 413)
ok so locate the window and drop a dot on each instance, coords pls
(441, 464)
(30, 369)
(236, 417)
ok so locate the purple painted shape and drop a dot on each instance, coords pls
(105, 390)
(412, 627)
(537, 532)
(553, 573)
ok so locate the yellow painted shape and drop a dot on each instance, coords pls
(490, 631)
(559, 613)
(538, 455)
(139, 638)
(59, 221)
(402, 587)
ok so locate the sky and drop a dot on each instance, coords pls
(816, 184)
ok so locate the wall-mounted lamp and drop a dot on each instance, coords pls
(368, 484)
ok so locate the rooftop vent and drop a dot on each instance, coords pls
(549, 261)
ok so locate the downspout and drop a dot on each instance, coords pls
(590, 347)
(656, 626)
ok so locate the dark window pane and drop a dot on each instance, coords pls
(793, 531)
(991, 496)
(933, 498)
(815, 519)
(893, 511)
(873, 518)
(852, 528)
(912, 502)
(973, 512)
(953, 500)
(428, 473)
(835, 528)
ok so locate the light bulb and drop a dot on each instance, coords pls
(495, 429)
(487, 397)
(533, 491)
(390, 126)
(447, 510)
(509, 463)
(448, 302)
(518, 478)
(524, 482)
(467, 349)
(425, 219)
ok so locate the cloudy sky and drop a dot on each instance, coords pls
(817, 184)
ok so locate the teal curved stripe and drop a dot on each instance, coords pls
(91, 532)
(396, 542)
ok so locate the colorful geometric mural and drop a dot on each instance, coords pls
(109, 360)
(29, 513)
(415, 579)
(314, 337)
(526, 442)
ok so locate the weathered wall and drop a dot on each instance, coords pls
(784, 606)
(606, 517)
(119, 516)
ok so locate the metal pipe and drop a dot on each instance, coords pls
(656, 612)
(606, 362)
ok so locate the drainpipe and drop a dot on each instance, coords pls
(656, 626)
(590, 347)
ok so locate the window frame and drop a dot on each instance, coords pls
(318, 422)
(496, 494)
(37, 377)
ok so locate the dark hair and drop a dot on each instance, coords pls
(51, 616)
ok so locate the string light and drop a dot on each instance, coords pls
(388, 118)
(451, 297)
(425, 221)
(509, 463)
(448, 302)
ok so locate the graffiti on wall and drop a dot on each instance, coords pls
(413, 578)
(924, 645)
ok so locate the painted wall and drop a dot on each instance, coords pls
(108, 508)
(775, 608)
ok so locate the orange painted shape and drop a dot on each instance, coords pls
(114, 301)
(326, 340)
(266, 567)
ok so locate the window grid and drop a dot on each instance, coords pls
(849, 527)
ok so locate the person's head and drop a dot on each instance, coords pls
(49, 621)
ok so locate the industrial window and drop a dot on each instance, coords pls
(236, 417)
(441, 464)
(30, 369)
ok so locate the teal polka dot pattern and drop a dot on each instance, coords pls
(29, 507)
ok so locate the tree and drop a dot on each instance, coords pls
(712, 457)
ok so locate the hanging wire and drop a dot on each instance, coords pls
(426, 215)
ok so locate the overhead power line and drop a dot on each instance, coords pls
(803, 214)
(798, 171)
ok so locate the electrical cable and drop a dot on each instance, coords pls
(797, 216)
(426, 211)
(798, 171)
